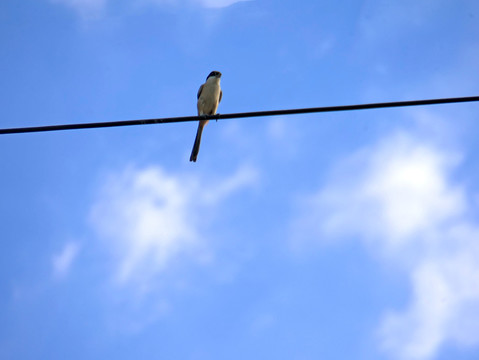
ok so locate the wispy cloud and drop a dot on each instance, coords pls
(398, 197)
(150, 218)
(85, 8)
(382, 20)
(93, 9)
(445, 302)
(62, 262)
(203, 3)
(218, 3)
(389, 193)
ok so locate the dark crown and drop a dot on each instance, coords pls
(214, 73)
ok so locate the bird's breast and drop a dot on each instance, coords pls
(209, 99)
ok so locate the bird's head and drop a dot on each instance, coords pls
(216, 74)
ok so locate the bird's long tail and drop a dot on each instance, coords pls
(196, 146)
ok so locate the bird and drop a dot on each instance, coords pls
(209, 96)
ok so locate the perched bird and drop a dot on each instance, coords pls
(209, 97)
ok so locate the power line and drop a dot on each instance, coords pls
(240, 115)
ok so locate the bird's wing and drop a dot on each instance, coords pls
(199, 91)
(221, 95)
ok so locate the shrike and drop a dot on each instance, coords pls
(209, 97)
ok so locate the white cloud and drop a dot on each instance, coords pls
(150, 219)
(389, 193)
(86, 8)
(398, 197)
(63, 261)
(92, 9)
(283, 137)
(277, 129)
(204, 3)
(444, 288)
(218, 3)
(244, 176)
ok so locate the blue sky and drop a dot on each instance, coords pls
(348, 235)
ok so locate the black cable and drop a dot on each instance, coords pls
(240, 115)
